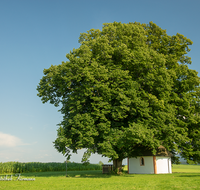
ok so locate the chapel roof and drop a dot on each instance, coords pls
(161, 151)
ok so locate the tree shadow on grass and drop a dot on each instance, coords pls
(76, 174)
(71, 174)
(189, 175)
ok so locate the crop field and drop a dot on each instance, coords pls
(18, 167)
(183, 177)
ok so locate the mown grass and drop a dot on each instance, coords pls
(186, 168)
(188, 179)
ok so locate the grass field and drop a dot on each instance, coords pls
(183, 177)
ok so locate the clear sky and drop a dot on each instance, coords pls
(35, 34)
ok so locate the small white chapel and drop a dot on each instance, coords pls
(151, 164)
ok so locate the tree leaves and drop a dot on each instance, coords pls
(125, 89)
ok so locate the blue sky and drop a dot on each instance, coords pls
(35, 34)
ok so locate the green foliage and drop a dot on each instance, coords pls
(175, 160)
(18, 167)
(100, 163)
(85, 158)
(125, 89)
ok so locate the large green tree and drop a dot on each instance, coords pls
(126, 89)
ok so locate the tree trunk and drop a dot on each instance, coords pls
(117, 166)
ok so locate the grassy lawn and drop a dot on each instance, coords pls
(186, 168)
(183, 177)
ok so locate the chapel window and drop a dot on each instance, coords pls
(141, 161)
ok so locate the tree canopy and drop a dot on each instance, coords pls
(126, 89)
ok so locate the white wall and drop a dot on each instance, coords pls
(163, 165)
(135, 168)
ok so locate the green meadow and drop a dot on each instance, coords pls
(183, 177)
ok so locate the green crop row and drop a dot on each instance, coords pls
(19, 167)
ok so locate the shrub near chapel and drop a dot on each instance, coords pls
(125, 90)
